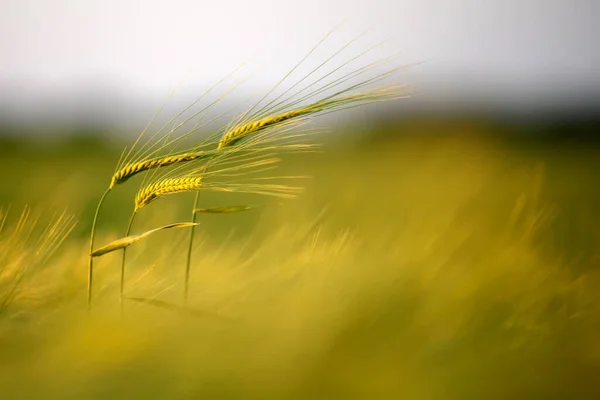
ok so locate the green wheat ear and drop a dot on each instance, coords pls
(223, 210)
(129, 240)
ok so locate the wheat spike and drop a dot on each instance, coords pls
(233, 136)
(164, 187)
(129, 240)
(130, 170)
(236, 134)
(223, 210)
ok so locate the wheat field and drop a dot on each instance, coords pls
(440, 261)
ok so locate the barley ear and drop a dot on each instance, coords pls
(223, 210)
(165, 187)
(129, 240)
(132, 169)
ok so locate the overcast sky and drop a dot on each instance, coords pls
(535, 48)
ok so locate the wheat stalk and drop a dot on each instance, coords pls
(145, 196)
(277, 114)
(241, 146)
(146, 158)
(159, 187)
(121, 176)
(142, 160)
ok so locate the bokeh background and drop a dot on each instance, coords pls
(446, 246)
(112, 63)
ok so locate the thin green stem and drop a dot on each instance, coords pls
(123, 260)
(91, 262)
(190, 245)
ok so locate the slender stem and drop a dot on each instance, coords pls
(190, 244)
(123, 260)
(91, 262)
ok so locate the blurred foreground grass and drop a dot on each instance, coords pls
(435, 265)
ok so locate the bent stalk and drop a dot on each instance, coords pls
(91, 262)
(123, 260)
(190, 245)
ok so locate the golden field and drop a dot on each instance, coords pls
(422, 261)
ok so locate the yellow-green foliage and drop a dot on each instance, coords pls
(417, 269)
(26, 245)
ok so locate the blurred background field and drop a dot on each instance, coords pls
(446, 246)
(427, 259)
